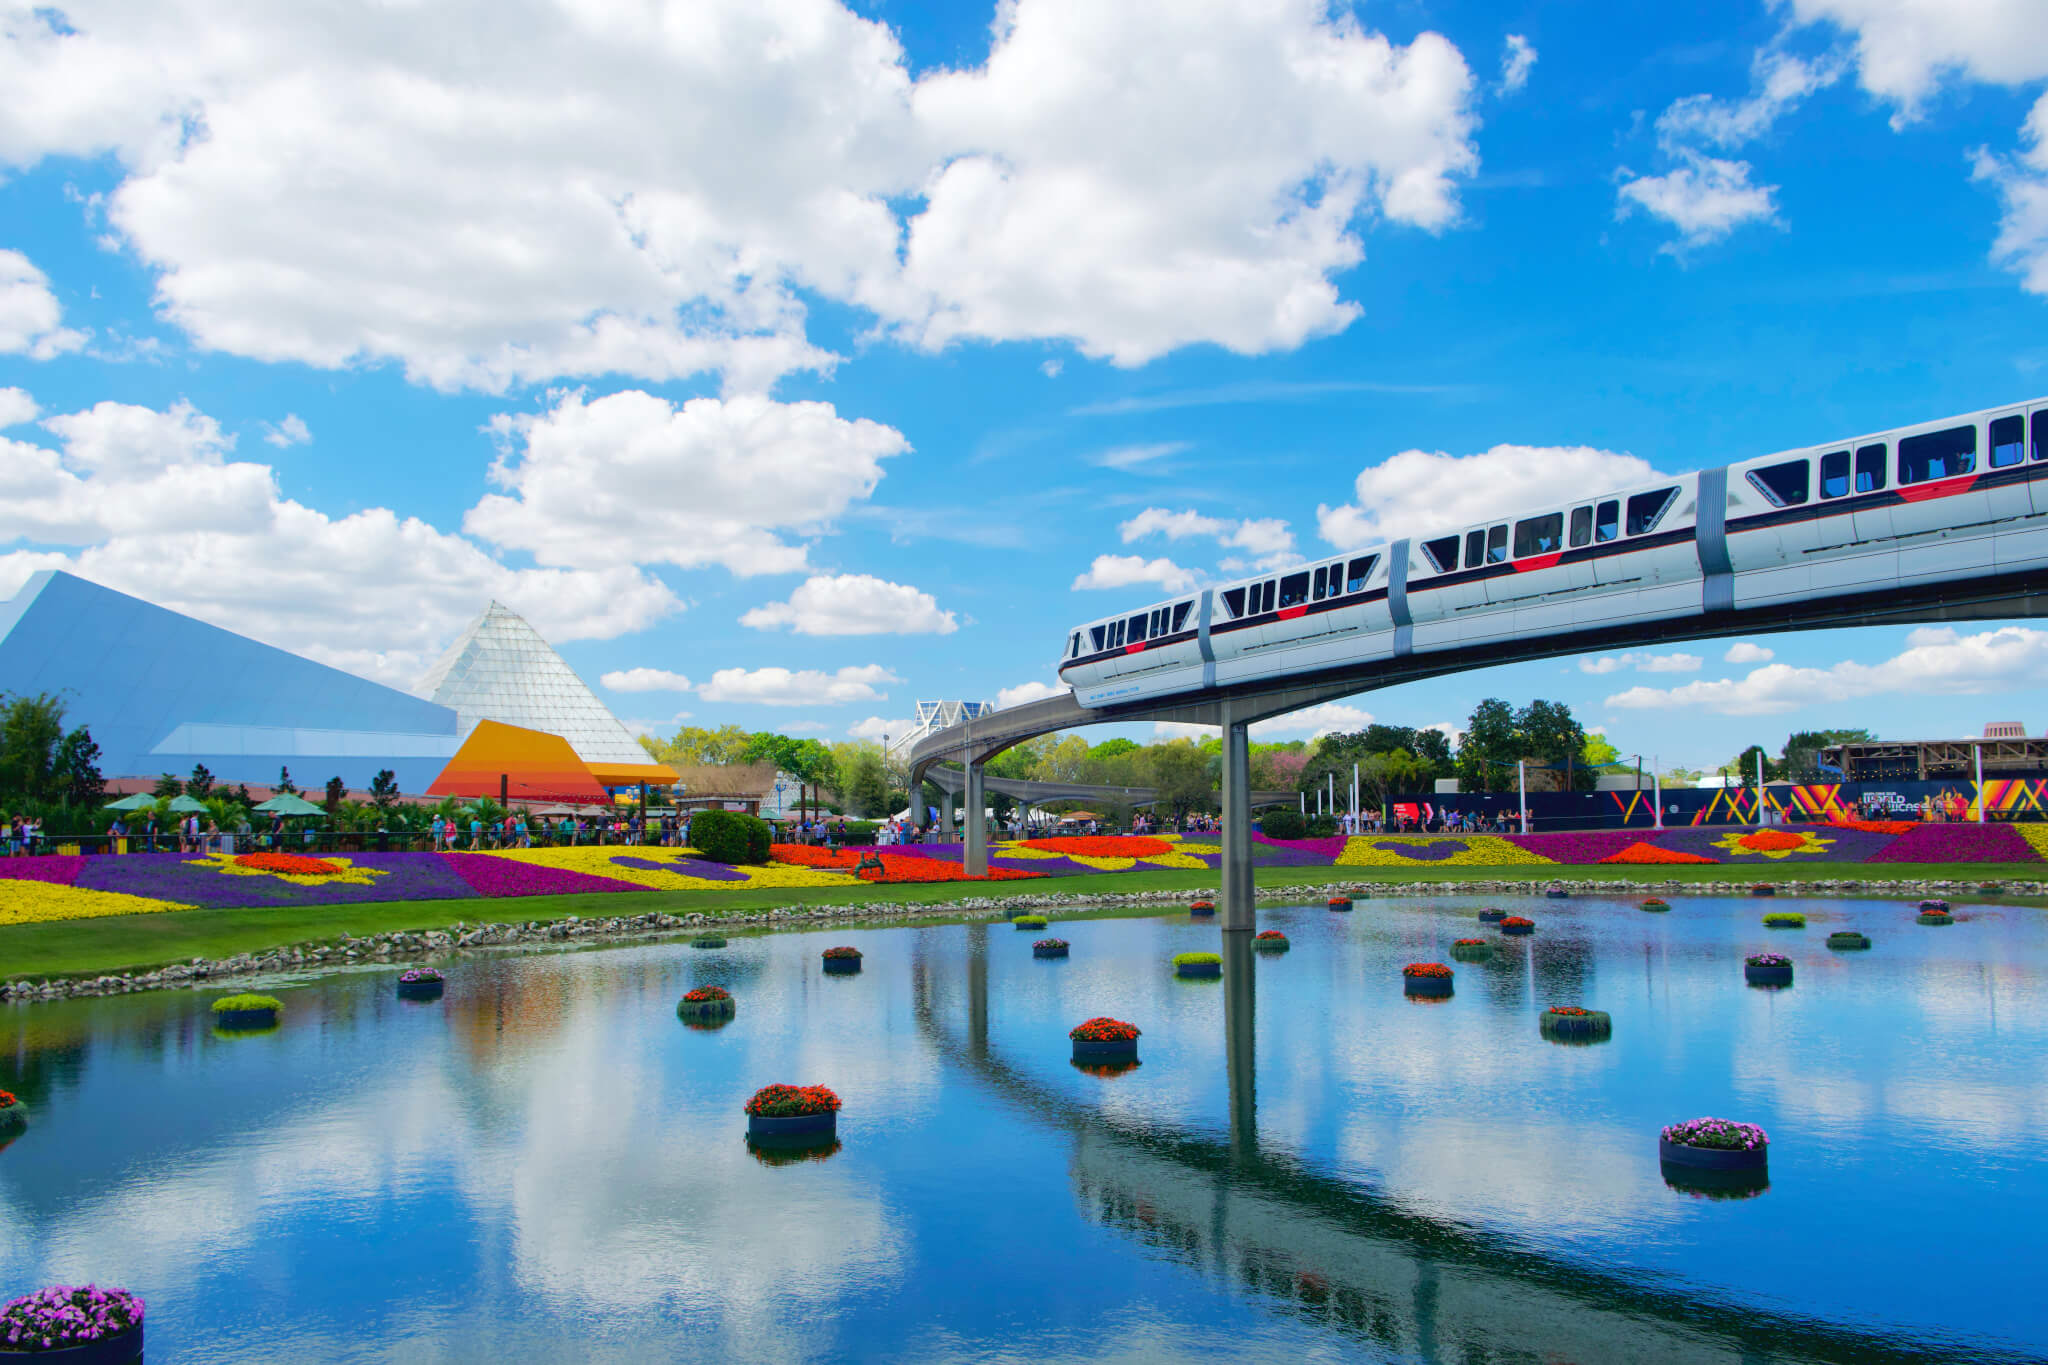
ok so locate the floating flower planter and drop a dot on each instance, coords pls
(1714, 1145)
(1656, 903)
(246, 1013)
(1767, 969)
(1103, 1041)
(1934, 907)
(842, 961)
(1270, 941)
(1515, 924)
(707, 1002)
(1049, 947)
(1848, 939)
(1471, 950)
(1934, 917)
(1029, 921)
(1490, 915)
(421, 983)
(1202, 909)
(13, 1114)
(1784, 919)
(1763, 889)
(707, 941)
(79, 1325)
(1340, 902)
(1556, 891)
(1426, 980)
(1990, 888)
(793, 1114)
(1197, 966)
(1570, 1023)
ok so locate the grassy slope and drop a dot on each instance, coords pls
(96, 946)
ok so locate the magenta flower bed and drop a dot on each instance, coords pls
(1844, 845)
(62, 869)
(1325, 847)
(1578, 848)
(489, 876)
(1971, 843)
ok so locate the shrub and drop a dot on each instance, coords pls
(791, 1101)
(63, 1316)
(1103, 1029)
(1321, 826)
(1720, 1134)
(725, 836)
(1029, 921)
(229, 1004)
(1197, 960)
(1784, 919)
(859, 831)
(1283, 824)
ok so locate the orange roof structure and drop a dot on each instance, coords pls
(527, 765)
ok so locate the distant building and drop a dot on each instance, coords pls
(933, 716)
(1933, 760)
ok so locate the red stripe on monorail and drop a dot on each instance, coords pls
(1940, 488)
(1290, 613)
(1134, 649)
(1533, 562)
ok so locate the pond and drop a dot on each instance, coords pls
(547, 1165)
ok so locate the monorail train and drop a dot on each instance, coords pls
(1960, 498)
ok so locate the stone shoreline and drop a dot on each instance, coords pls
(402, 945)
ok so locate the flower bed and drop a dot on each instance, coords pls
(1967, 843)
(1878, 826)
(1430, 850)
(1418, 969)
(288, 864)
(1103, 1029)
(1655, 903)
(1582, 848)
(1105, 845)
(1471, 949)
(1848, 938)
(707, 1002)
(13, 1117)
(70, 1316)
(1645, 854)
(420, 974)
(486, 874)
(800, 1113)
(900, 868)
(813, 855)
(1426, 980)
(1767, 969)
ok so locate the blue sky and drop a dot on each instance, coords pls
(785, 362)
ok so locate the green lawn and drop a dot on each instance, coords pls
(91, 947)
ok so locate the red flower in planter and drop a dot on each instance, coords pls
(791, 1101)
(842, 951)
(1568, 1011)
(1517, 922)
(7, 1100)
(705, 994)
(1102, 1029)
(1271, 933)
(1468, 943)
(1425, 969)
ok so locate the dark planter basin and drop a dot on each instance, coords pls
(1492, 916)
(1763, 891)
(1202, 912)
(1031, 928)
(421, 990)
(1474, 953)
(1557, 893)
(841, 966)
(707, 942)
(1340, 903)
(115, 1350)
(1270, 945)
(1712, 1158)
(1766, 976)
(800, 1127)
(1197, 971)
(706, 1009)
(1048, 952)
(1848, 940)
(1124, 1051)
(1432, 987)
(1592, 1024)
(245, 1019)
(1717, 1185)
(1518, 928)
(13, 1118)
(1934, 919)
(1655, 907)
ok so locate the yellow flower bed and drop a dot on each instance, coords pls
(2036, 835)
(601, 862)
(350, 874)
(1475, 850)
(1023, 851)
(27, 902)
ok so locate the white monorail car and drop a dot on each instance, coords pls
(1962, 498)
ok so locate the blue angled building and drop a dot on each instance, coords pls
(162, 692)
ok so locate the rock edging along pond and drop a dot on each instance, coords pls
(399, 944)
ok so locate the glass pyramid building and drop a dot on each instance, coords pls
(501, 669)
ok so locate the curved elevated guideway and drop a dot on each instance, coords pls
(1944, 521)
(1030, 793)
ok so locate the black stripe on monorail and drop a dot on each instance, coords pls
(1884, 499)
(1654, 540)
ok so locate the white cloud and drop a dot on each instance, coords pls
(655, 729)
(1646, 663)
(149, 502)
(651, 190)
(1905, 48)
(1747, 652)
(1705, 198)
(30, 318)
(1314, 722)
(1420, 491)
(1264, 536)
(2022, 183)
(645, 680)
(1027, 692)
(1051, 368)
(631, 478)
(1517, 58)
(854, 604)
(879, 729)
(806, 687)
(1123, 571)
(1175, 729)
(16, 407)
(1935, 662)
(1134, 458)
(292, 431)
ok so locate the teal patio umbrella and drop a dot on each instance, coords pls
(185, 805)
(285, 803)
(139, 801)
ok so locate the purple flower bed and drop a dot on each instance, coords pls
(63, 869)
(1318, 851)
(1580, 849)
(484, 875)
(188, 879)
(1844, 845)
(1967, 843)
(62, 1316)
(682, 867)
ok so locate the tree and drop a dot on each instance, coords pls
(1486, 759)
(1278, 767)
(284, 782)
(1066, 761)
(337, 790)
(78, 769)
(1387, 774)
(1113, 748)
(1744, 766)
(1179, 772)
(693, 745)
(384, 790)
(865, 785)
(1549, 733)
(1800, 760)
(1599, 752)
(168, 787)
(31, 729)
(200, 785)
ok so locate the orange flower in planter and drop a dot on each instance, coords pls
(1425, 969)
(1103, 1029)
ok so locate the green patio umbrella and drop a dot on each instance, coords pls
(285, 803)
(185, 805)
(139, 801)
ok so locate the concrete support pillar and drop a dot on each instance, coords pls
(946, 830)
(1237, 823)
(1240, 1011)
(976, 854)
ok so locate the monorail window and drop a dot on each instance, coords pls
(1180, 616)
(1870, 468)
(1539, 535)
(1322, 584)
(1607, 521)
(1266, 597)
(1443, 554)
(1475, 549)
(1784, 484)
(2041, 434)
(1293, 590)
(1645, 510)
(1582, 526)
(1074, 645)
(2008, 442)
(1233, 601)
(1098, 637)
(1834, 475)
(1497, 545)
(1938, 455)
(1136, 634)
(1361, 569)
(1116, 635)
